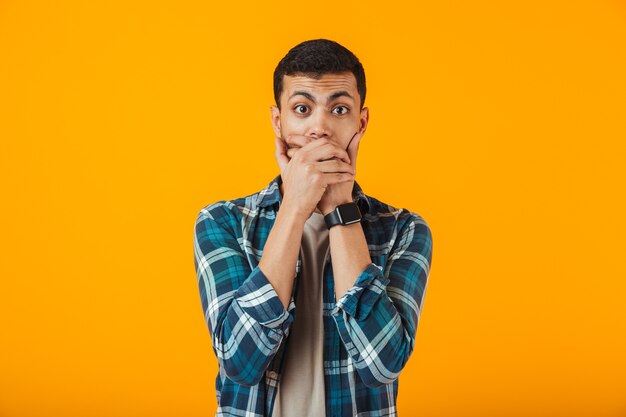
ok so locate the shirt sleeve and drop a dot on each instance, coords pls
(245, 317)
(377, 318)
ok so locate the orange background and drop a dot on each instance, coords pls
(502, 124)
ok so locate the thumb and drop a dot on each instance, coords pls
(353, 148)
(280, 154)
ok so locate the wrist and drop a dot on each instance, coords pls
(292, 212)
(330, 208)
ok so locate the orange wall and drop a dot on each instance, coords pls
(502, 124)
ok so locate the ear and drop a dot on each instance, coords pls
(364, 119)
(275, 119)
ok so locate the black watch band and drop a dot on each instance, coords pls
(343, 214)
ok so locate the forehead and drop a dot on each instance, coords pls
(326, 84)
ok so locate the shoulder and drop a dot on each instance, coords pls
(219, 211)
(230, 212)
(401, 219)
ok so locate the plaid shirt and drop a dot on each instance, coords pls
(369, 333)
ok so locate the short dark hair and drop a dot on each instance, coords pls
(314, 58)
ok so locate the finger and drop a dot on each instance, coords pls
(295, 141)
(300, 141)
(353, 147)
(280, 154)
(291, 152)
(325, 152)
(335, 165)
(338, 177)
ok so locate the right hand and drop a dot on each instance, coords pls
(316, 164)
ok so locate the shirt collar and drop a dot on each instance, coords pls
(270, 195)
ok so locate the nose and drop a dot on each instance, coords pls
(319, 127)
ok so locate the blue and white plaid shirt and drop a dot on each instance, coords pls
(369, 333)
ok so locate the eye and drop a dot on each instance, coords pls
(298, 107)
(342, 107)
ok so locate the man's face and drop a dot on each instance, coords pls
(324, 108)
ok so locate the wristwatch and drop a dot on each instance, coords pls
(343, 214)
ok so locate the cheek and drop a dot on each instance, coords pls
(346, 137)
(293, 125)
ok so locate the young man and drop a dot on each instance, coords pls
(311, 289)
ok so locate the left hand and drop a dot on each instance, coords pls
(339, 193)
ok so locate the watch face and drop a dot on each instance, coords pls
(349, 213)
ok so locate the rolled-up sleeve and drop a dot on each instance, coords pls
(245, 317)
(377, 317)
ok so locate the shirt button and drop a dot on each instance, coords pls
(273, 374)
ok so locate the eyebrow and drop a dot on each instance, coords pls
(331, 97)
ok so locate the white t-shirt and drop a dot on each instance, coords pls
(301, 386)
